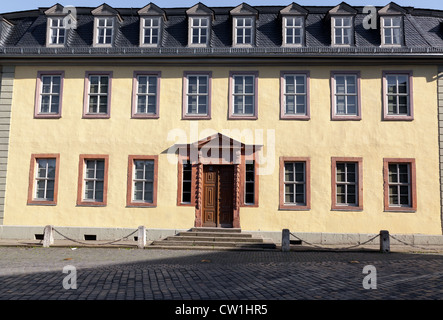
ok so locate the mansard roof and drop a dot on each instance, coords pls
(25, 32)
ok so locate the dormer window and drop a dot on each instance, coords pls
(199, 30)
(294, 31)
(152, 19)
(104, 31)
(343, 30)
(56, 31)
(392, 31)
(293, 24)
(105, 25)
(243, 29)
(59, 20)
(342, 25)
(391, 25)
(151, 31)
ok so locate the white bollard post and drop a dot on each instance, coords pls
(48, 237)
(285, 242)
(141, 237)
(384, 241)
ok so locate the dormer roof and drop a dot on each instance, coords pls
(152, 10)
(106, 10)
(294, 9)
(391, 10)
(244, 9)
(200, 10)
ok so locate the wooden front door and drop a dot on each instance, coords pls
(218, 195)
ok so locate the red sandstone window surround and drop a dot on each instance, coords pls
(43, 179)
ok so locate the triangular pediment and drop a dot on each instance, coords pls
(244, 9)
(392, 9)
(294, 9)
(200, 10)
(105, 10)
(342, 9)
(56, 10)
(151, 10)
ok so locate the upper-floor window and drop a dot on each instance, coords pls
(346, 99)
(294, 95)
(243, 100)
(244, 32)
(397, 100)
(343, 30)
(97, 95)
(49, 94)
(293, 31)
(392, 33)
(104, 31)
(197, 89)
(199, 31)
(150, 31)
(145, 96)
(56, 32)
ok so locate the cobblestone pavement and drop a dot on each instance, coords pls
(131, 274)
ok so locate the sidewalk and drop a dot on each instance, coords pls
(402, 248)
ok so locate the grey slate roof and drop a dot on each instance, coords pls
(27, 35)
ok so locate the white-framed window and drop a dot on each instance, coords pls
(197, 94)
(346, 184)
(293, 31)
(45, 175)
(295, 183)
(150, 31)
(397, 94)
(143, 181)
(94, 180)
(345, 95)
(50, 94)
(98, 95)
(392, 32)
(295, 94)
(146, 95)
(399, 185)
(56, 32)
(199, 31)
(343, 30)
(244, 32)
(104, 31)
(243, 95)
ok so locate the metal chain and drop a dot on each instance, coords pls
(408, 244)
(353, 246)
(100, 244)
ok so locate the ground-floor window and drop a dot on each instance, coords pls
(93, 180)
(347, 182)
(43, 179)
(294, 183)
(399, 182)
(142, 181)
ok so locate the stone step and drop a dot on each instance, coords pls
(213, 239)
(205, 248)
(171, 243)
(221, 230)
(214, 234)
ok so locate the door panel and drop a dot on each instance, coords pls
(218, 197)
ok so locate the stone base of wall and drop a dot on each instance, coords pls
(109, 234)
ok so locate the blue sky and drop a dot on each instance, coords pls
(9, 6)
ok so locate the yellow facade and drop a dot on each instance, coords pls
(319, 138)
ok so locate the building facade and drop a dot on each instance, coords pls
(315, 119)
